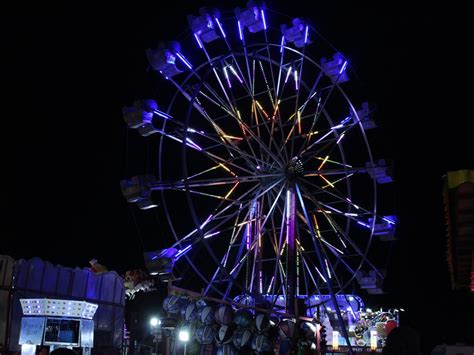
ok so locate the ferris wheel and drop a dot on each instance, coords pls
(264, 172)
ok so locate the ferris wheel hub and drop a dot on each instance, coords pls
(294, 169)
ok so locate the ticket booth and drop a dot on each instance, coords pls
(56, 323)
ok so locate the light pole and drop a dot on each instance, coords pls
(155, 322)
(183, 336)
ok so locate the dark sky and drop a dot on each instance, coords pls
(70, 69)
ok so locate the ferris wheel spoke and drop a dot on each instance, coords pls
(341, 198)
(298, 112)
(247, 129)
(339, 230)
(219, 211)
(179, 184)
(226, 256)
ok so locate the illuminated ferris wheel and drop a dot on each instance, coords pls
(265, 174)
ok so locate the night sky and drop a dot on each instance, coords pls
(70, 70)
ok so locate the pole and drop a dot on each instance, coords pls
(291, 254)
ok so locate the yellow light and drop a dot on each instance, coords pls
(324, 162)
(246, 222)
(231, 190)
(299, 244)
(373, 340)
(335, 340)
(327, 181)
(227, 169)
(299, 122)
(232, 137)
(317, 226)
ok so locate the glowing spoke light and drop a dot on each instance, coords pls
(306, 34)
(334, 162)
(227, 169)
(240, 30)
(342, 242)
(198, 40)
(191, 144)
(320, 275)
(261, 109)
(296, 79)
(340, 137)
(220, 27)
(231, 190)
(235, 73)
(388, 220)
(282, 43)
(288, 75)
(327, 181)
(207, 236)
(327, 268)
(339, 180)
(232, 137)
(345, 120)
(364, 224)
(184, 60)
(227, 78)
(263, 19)
(162, 114)
(343, 67)
(271, 283)
(299, 122)
(318, 232)
(351, 214)
(332, 247)
(324, 162)
(183, 251)
(206, 221)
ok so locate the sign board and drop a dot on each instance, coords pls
(31, 331)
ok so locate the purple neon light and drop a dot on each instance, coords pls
(184, 60)
(227, 77)
(206, 221)
(296, 79)
(183, 251)
(340, 137)
(240, 31)
(363, 224)
(192, 144)
(235, 73)
(220, 27)
(388, 220)
(211, 235)
(306, 34)
(263, 19)
(288, 75)
(343, 67)
(282, 43)
(247, 233)
(162, 114)
(345, 120)
(198, 40)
